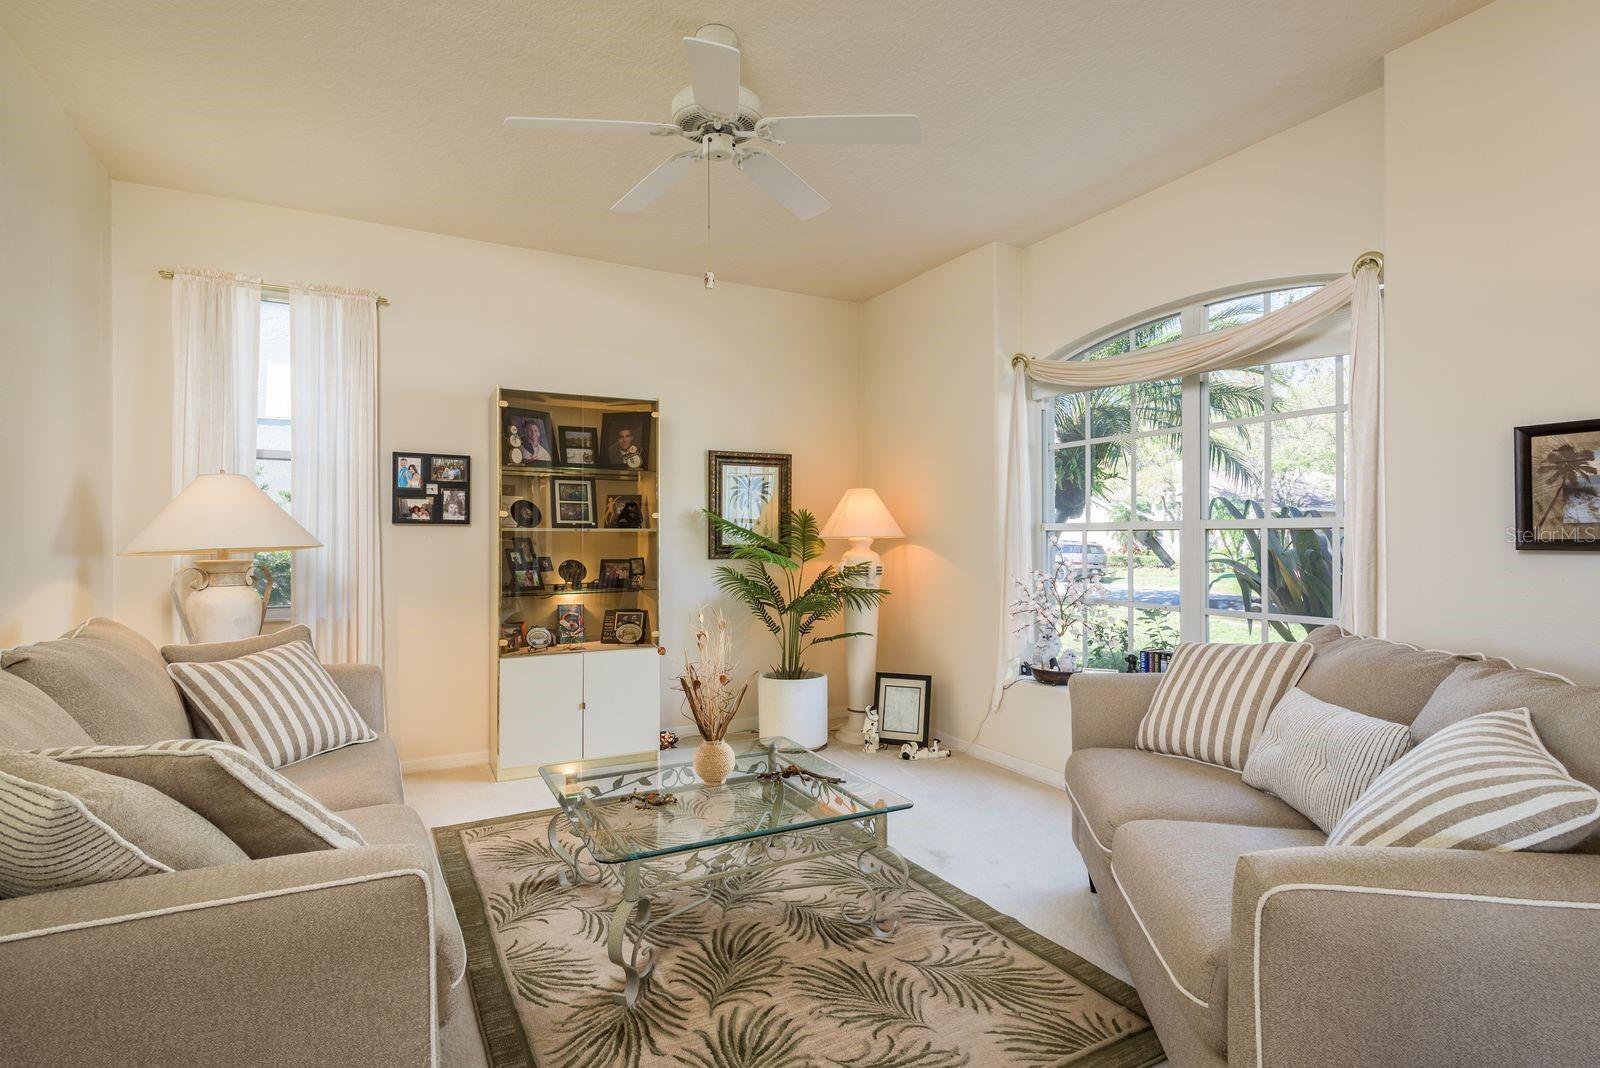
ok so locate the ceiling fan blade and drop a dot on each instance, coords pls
(532, 122)
(714, 73)
(783, 185)
(656, 182)
(842, 129)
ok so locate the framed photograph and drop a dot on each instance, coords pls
(431, 488)
(579, 444)
(625, 626)
(514, 636)
(1558, 486)
(636, 566)
(625, 510)
(904, 707)
(448, 468)
(569, 624)
(409, 472)
(750, 489)
(572, 502)
(625, 440)
(546, 564)
(527, 438)
(527, 581)
(615, 574)
(418, 509)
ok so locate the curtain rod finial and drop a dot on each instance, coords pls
(1373, 257)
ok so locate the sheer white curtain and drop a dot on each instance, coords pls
(335, 483)
(216, 337)
(1362, 606)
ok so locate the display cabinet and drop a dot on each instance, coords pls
(577, 578)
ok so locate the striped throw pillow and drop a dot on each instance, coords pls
(264, 813)
(49, 840)
(1485, 783)
(1214, 699)
(279, 704)
(1319, 757)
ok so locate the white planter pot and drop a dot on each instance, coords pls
(795, 708)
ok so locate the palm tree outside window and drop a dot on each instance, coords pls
(1239, 472)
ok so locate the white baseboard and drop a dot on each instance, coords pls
(1039, 773)
(448, 760)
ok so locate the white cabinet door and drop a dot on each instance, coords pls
(622, 702)
(541, 710)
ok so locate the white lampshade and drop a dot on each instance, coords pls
(220, 513)
(861, 514)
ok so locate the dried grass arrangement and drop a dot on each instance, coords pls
(707, 678)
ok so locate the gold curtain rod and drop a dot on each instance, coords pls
(270, 287)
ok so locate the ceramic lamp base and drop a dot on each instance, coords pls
(217, 600)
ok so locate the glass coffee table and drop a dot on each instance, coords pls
(645, 824)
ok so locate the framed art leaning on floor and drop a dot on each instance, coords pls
(905, 707)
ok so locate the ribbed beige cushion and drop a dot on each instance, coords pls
(108, 678)
(1320, 757)
(1485, 783)
(1213, 701)
(279, 703)
(64, 826)
(264, 813)
(210, 652)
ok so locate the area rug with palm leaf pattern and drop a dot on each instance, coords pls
(767, 973)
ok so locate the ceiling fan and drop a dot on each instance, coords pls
(724, 120)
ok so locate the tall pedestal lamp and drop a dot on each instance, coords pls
(216, 515)
(861, 517)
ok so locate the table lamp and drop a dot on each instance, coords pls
(216, 595)
(861, 517)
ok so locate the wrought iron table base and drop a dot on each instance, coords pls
(883, 871)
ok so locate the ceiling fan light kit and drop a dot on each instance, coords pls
(725, 121)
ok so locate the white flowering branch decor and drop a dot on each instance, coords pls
(1047, 607)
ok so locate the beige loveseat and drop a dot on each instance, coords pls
(333, 957)
(1253, 943)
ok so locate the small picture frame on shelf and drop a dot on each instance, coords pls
(572, 503)
(527, 438)
(636, 572)
(520, 555)
(431, 488)
(625, 440)
(415, 509)
(527, 581)
(546, 565)
(579, 444)
(569, 624)
(449, 468)
(615, 574)
(905, 705)
(513, 636)
(624, 626)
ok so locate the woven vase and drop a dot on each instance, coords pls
(713, 761)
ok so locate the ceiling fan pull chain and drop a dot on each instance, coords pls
(711, 276)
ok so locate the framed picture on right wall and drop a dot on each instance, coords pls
(1558, 486)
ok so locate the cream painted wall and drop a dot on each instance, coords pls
(1304, 202)
(929, 442)
(737, 368)
(55, 392)
(1492, 146)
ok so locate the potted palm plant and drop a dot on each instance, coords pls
(772, 583)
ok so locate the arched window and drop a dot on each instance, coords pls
(1209, 508)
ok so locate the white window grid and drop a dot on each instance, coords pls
(1195, 524)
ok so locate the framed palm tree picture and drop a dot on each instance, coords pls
(747, 488)
(1558, 486)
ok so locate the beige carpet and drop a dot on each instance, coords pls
(767, 974)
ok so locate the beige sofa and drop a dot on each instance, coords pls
(1253, 943)
(340, 956)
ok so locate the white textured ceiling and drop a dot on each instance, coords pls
(1036, 113)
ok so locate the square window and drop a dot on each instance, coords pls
(1159, 466)
(1300, 572)
(1159, 404)
(1154, 628)
(1235, 464)
(1068, 419)
(1232, 630)
(1239, 394)
(1305, 457)
(1233, 570)
(1302, 384)
(1110, 490)
(1153, 563)
(1068, 497)
(1106, 637)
